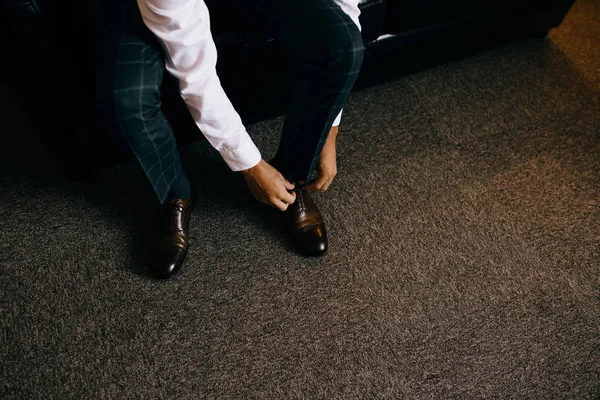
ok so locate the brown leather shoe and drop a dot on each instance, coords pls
(172, 238)
(305, 224)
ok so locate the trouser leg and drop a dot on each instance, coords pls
(129, 74)
(329, 50)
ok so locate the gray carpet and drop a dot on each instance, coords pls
(464, 259)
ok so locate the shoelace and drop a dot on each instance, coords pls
(174, 210)
(300, 200)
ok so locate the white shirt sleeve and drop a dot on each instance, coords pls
(183, 29)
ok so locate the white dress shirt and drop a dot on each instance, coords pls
(183, 29)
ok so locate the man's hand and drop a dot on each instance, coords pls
(327, 166)
(268, 186)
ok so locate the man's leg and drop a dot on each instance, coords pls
(130, 70)
(327, 164)
(328, 46)
(329, 49)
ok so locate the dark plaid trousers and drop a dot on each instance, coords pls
(130, 69)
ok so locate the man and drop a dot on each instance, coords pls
(325, 38)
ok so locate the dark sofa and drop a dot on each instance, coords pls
(42, 41)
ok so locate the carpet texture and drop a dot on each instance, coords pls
(464, 253)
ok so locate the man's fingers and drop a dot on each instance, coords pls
(280, 205)
(326, 185)
(266, 201)
(316, 184)
(288, 197)
(288, 185)
(321, 184)
(311, 186)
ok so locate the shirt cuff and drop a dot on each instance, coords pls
(244, 155)
(338, 119)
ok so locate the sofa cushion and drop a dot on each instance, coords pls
(372, 18)
(405, 15)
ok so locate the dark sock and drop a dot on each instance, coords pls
(287, 172)
(181, 187)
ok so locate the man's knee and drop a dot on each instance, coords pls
(124, 95)
(353, 52)
(345, 50)
(134, 103)
(127, 109)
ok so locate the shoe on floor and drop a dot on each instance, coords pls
(171, 238)
(305, 225)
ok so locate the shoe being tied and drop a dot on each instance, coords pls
(172, 238)
(305, 225)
